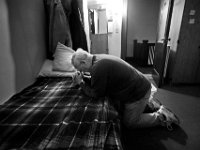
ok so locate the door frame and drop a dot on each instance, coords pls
(161, 48)
(124, 30)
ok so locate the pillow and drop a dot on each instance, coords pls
(46, 71)
(62, 58)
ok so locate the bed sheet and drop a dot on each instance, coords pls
(51, 114)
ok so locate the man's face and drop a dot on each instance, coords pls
(84, 66)
(78, 67)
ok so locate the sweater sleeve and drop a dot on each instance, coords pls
(99, 79)
(88, 90)
(98, 82)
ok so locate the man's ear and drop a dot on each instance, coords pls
(82, 61)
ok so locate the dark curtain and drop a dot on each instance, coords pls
(92, 21)
(76, 26)
(65, 24)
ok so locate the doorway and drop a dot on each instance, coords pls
(105, 30)
(98, 25)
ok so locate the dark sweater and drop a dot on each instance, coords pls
(115, 78)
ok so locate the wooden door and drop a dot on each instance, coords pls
(99, 43)
(161, 46)
(98, 31)
(187, 62)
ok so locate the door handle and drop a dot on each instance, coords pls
(199, 50)
(166, 39)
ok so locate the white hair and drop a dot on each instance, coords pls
(78, 56)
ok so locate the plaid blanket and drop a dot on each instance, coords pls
(51, 114)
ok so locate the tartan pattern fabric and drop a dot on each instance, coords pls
(51, 114)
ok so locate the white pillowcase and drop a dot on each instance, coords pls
(62, 58)
(47, 71)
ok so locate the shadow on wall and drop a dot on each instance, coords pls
(28, 42)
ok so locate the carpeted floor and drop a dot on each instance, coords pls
(185, 137)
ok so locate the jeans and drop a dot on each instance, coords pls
(134, 115)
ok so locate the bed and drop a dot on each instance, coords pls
(52, 113)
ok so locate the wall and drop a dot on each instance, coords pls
(141, 22)
(23, 44)
(7, 68)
